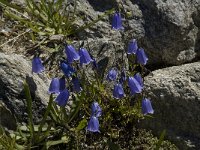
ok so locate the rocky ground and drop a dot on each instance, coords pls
(168, 30)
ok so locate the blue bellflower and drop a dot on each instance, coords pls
(118, 91)
(146, 107)
(96, 110)
(134, 85)
(117, 21)
(141, 57)
(71, 53)
(62, 98)
(76, 85)
(62, 84)
(67, 69)
(93, 124)
(85, 57)
(112, 75)
(139, 79)
(37, 66)
(54, 86)
(132, 47)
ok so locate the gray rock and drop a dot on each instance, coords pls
(175, 93)
(14, 69)
(6, 118)
(170, 30)
(167, 29)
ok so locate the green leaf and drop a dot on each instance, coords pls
(64, 139)
(29, 108)
(46, 113)
(82, 125)
(161, 139)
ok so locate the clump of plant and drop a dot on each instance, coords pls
(46, 18)
(86, 110)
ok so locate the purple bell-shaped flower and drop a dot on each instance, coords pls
(67, 69)
(117, 21)
(146, 107)
(76, 85)
(138, 77)
(134, 85)
(37, 66)
(132, 47)
(141, 57)
(85, 57)
(62, 84)
(118, 91)
(62, 98)
(112, 75)
(93, 124)
(96, 110)
(54, 86)
(71, 53)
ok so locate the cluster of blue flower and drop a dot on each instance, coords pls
(58, 85)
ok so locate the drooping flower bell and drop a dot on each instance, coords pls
(141, 57)
(71, 53)
(93, 124)
(112, 75)
(76, 85)
(96, 110)
(134, 85)
(118, 91)
(138, 77)
(37, 66)
(67, 69)
(147, 107)
(117, 21)
(85, 57)
(132, 47)
(54, 86)
(62, 98)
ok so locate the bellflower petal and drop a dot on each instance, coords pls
(112, 75)
(93, 124)
(85, 57)
(67, 69)
(118, 91)
(37, 66)
(71, 53)
(139, 79)
(146, 107)
(62, 84)
(96, 110)
(76, 85)
(134, 85)
(141, 57)
(117, 21)
(54, 86)
(132, 47)
(62, 98)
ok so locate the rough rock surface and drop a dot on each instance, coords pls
(167, 29)
(14, 69)
(175, 93)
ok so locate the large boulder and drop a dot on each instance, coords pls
(14, 70)
(175, 93)
(167, 29)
